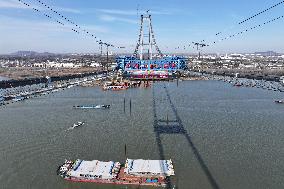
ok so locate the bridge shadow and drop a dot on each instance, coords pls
(176, 127)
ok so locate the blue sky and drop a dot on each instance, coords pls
(176, 24)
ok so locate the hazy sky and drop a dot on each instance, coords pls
(177, 23)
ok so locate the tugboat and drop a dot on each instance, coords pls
(134, 172)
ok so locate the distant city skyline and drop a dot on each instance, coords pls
(38, 54)
(176, 25)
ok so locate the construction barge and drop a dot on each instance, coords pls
(133, 172)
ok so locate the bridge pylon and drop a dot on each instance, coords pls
(146, 42)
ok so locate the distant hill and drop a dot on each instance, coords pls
(31, 53)
(268, 53)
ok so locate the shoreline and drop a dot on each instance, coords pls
(30, 81)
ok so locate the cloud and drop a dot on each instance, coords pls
(131, 12)
(117, 12)
(11, 5)
(161, 12)
(11, 23)
(14, 4)
(69, 10)
(110, 18)
(18, 33)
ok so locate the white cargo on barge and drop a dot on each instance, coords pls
(140, 167)
(95, 169)
(134, 172)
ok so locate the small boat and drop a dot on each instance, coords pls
(237, 84)
(115, 88)
(92, 107)
(75, 125)
(279, 101)
(18, 98)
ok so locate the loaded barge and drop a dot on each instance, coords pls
(133, 172)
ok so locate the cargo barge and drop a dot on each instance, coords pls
(133, 172)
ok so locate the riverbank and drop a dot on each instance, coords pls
(268, 75)
(37, 80)
(32, 72)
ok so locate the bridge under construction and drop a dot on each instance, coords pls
(145, 63)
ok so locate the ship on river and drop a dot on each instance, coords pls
(133, 172)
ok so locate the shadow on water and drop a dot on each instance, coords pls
(176, 127)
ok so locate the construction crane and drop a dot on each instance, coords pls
(198, 46)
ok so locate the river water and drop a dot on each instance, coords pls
(218, 136)
(3, 78)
